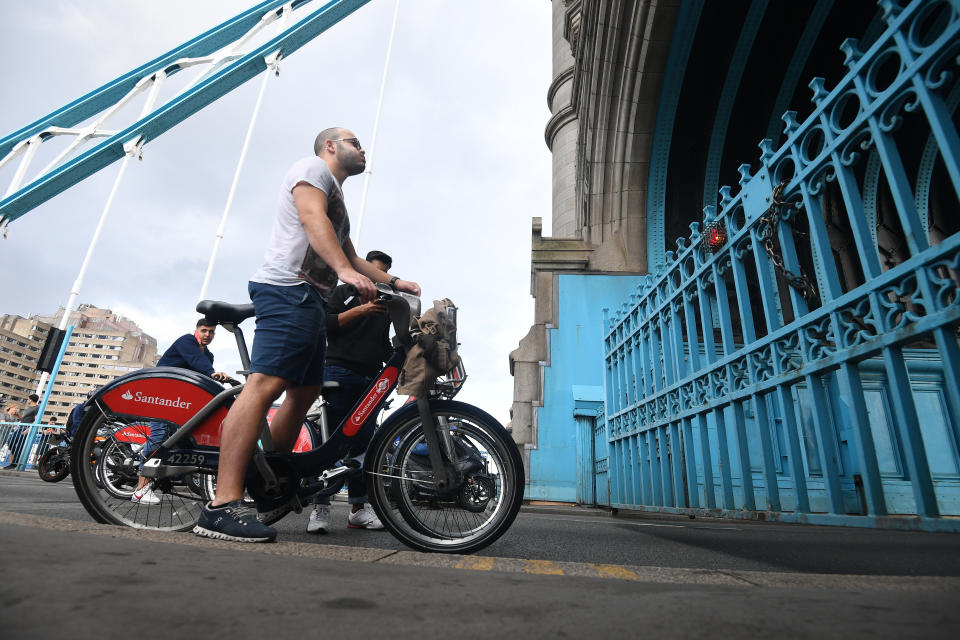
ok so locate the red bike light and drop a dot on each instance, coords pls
(714, 236)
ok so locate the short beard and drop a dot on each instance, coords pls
(355, 168)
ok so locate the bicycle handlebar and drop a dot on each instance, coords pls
(401, 307)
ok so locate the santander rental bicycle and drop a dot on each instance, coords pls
(442, 475)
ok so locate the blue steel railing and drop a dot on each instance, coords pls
(810, 414)
(601, 461)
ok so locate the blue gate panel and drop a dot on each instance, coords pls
(575, 342)
(746, 377)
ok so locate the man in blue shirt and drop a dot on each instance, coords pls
(188, 352)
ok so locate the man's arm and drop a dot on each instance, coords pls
(336, 304)
(352, 315)
(311, 205)
(377, 275)
(339, 312)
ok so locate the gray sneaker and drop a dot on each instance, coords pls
(233, 521)
(365, 518)
(319, 519)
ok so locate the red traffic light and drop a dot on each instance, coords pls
(714, 236)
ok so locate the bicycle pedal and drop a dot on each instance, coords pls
(331, 474)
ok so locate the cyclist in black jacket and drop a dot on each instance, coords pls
(358, 343)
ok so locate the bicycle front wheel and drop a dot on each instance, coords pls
(104, 463)
(464, 518)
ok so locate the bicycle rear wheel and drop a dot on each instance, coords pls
(104, 463)
(54, 465)
(468, 516)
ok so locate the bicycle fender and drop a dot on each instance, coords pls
(164, 393)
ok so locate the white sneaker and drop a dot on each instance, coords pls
(319, 519)
(145, 495)
(364, 519)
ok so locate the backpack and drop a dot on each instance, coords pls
(435, 352)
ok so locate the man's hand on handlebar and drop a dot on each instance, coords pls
(223, 378)
(408, 287)
(366, 290)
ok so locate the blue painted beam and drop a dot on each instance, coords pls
(110, 93)
(728, 96)
(680, 45)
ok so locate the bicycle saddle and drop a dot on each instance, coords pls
(221, 312)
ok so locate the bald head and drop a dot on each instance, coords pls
(332, 133)
(341, 150)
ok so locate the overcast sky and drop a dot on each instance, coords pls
(460, 167)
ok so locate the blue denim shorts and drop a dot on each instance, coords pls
(291, 337)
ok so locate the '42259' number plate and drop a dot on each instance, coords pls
(186, 458)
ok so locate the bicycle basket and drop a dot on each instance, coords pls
(433, 363)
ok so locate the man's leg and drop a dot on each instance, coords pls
(288, 343)
(339, 402)
(159, 431)
(240, 432)
(288, 420)
(362, 516)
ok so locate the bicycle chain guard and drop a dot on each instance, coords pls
(287, 482)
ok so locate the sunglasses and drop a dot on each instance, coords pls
(354, 141)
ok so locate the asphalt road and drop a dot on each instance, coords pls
(571, 534)
(558, 572)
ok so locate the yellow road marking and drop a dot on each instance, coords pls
(543, 568)
(615, 571)
(653, 574)
(476, 563)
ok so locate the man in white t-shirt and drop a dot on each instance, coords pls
(309, 249)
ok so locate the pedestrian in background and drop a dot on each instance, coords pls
(13, 438)
(30, 414)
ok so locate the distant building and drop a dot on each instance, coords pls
(103, 346)
(20, 345)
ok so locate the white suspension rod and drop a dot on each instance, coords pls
(272, 61)
(30, 150)
(233, 188)
(376, 125)
(132, 150)
(78, 283)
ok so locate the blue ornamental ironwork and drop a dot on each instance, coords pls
(755, 378)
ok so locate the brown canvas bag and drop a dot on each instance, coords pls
(435, 352)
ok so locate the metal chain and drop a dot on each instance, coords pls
(768, 229)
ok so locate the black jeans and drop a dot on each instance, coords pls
(339, 403)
